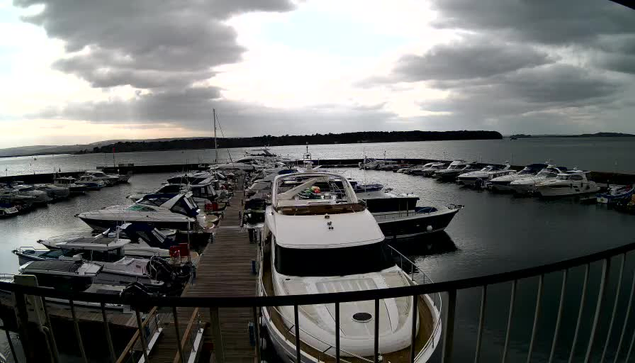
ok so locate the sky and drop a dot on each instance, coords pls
(80, 71)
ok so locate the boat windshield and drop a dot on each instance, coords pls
(526, 171)
(333, 261)
(548, 173)
(563, 177)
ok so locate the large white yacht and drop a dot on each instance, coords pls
(166, 211)
(318, 239)
(572, 182)
(501, 183)
(528, 185)
(480, 177)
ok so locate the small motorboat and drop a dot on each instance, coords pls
(453, 170)
(479, 178)
(90, 182)
(106, 178)
(39, 196)
(55, 192)
(501, 183)
(162, 211)
(399, 217)
(69, 182)
(528, 185)
(75, 276)
(428, 169)
(573, 182)
(615, 194)
(8, 210)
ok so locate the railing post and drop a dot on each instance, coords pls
(617, 299)
(577, 325)
(178, 334)
(413, 336)
(55, 352)
(256, 333)
(448, 332)
(23, 327)
(298, 350)
(337, 332)
(510, 318)
(78, 334)
(142, 337)
(628, 314)
(111, 348)
(606, 268)
(536, 316)
(481, 323)
(556, 329)
(376, 335)
(217, 338)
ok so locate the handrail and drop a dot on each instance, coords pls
(323, 298)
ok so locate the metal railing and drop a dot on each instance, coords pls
(594, 345)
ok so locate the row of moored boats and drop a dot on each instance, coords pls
(17, 197)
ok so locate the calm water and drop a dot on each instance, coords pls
(599, 154)
(493, 233)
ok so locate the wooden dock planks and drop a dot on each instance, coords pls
(224, 270)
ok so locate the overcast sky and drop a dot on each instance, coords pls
(83, 71)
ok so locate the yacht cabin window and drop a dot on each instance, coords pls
(333, 261)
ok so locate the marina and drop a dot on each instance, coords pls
(226, 266)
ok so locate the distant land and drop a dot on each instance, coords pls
(597, 134)
(268, 140)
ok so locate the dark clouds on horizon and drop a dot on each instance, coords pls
(534, 66)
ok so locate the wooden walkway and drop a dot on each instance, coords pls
(224, 270)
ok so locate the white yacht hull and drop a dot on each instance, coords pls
(567, 191)
(286, 349)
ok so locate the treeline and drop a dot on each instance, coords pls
(268, 140)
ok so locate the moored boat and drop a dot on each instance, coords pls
(479, 178)
(616, 194)
(326, 241)
(528, 185)
(572, 182)
(502, 183)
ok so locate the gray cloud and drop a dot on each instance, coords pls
(548, 22)
(143, 43)
(473, 57)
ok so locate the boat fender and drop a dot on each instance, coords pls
(429, 228)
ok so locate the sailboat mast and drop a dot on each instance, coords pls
(215, 142)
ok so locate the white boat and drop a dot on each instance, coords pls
(429, 169)
(8, 210)
(501, 183)
(326, 241)
(90, 182)
(528, 185)
(55, 192)
(572, 182)
(73, 276)
(69, 182)
(178, 212)
(39, 196)
(480, 177)
(105, 178)
(453, 170)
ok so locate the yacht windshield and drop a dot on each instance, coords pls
(333, 261)
(548, 173)
(525, 171)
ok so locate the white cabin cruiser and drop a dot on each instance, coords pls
(39, 196)
(480, 177)
(501, 183)
(453, 170)
(572, 182)
(100, 175)
(90, 182)
(315, 235)
(429, 169)
(164, 211)
(528, 185)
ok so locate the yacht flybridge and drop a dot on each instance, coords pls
(318, 238)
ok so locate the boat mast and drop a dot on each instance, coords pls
(215, 142)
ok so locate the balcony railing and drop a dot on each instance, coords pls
(596, 347)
